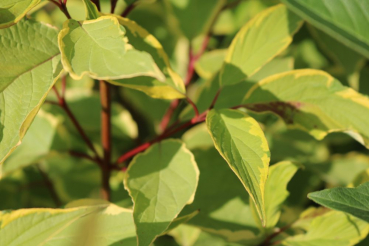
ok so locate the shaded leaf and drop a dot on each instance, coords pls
(345, 20)
(159, 193)
(276, 190)
(354, 201)
(194, 17)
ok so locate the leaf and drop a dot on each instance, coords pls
(331, 229)
(313, 101)
(30, 65)
(345, 20)
(91, 10)
(159, 193)
(258, 42)
(194, 17)
(354, 201)
(42, 137)
(224, 206)
(93, 224)
(242, 143)
(276, 190)
(170, 88)
(98, 48)
(210, 63)
(12, 11)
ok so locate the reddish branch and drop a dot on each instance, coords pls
(63, 104)
(50, 187)
(195, 120)
(105, 136)
(62, 5)
(190, 72)
(129, 9)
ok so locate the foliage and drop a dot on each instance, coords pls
(184, 122)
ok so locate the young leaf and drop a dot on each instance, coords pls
(313, 101)
(276, 190)
(89, 224)
(170, 88)
(242, 143)
(30, 64)
(161, 181)
(98, 48)
(354, 201)
(194, 17)
(331, 229)
(91, 10)
(345, 20)
(261, 39)
(12, 11)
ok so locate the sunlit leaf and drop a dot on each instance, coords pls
(331, 229)
(30, 64)
(259, 41)
(98, 48)
(11, 11)
(313, 101)
(241, 142)
(171, 86)
(89, 224)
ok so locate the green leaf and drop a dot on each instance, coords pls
(159, 193)
(41, 139)
(12, 11)
(94, 223)
(194, 17)
(98, 48)
(224, 206)
(354, 201)
(312, 101)
(276, 190)
(331, 229)
(345, 20)
(91, 10)
(210, 63)
(172, 86)
(30, 64)
(241, 142)
(258, 42)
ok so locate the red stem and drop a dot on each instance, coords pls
(105, 136)
(62, 103)
(162, 136)
(168, 115)
(193, 106)
(129, 9)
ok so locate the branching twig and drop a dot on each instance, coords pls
(63, 104)
(50, 186)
